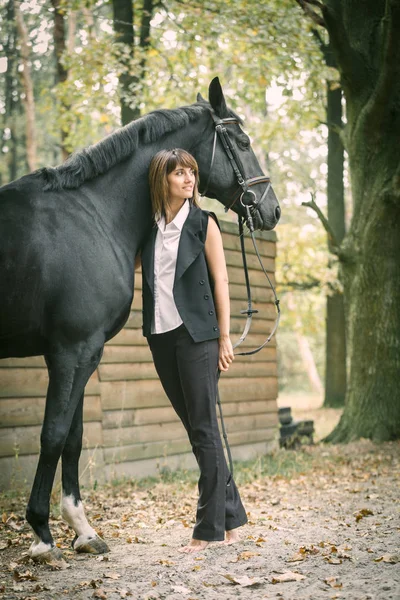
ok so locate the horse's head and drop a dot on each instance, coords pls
(229, 169)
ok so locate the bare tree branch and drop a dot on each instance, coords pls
(334, 246)
(314, 16)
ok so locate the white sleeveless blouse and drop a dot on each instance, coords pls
(166, 316)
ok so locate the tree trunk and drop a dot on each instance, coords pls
(124, 34)
(11, 105)
(370, 252)
(29, 100)
(59, 48)
(335, 354)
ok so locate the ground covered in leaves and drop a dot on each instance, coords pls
(323, 524)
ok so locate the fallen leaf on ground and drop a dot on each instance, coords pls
(243, 581)
(298, 557)
(111, 575)
(333, 582)
(389, 558)
(333, 561)
(167, 563)
(246, 556)
(286, 577)
(100, 593)
(364, 512)
(27, 576)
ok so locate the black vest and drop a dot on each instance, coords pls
(192, 287)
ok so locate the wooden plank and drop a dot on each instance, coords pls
(30, 411)
(138, 354)
(126, 354)
(257, 278)
(24, 382)
(265, 248)
(230, 226)
(135, 319)
(127, 371)
(139, 416)
(234, 259)
(148, 393)
(266, 310)
(259, 294)
(132, 394)
(137, 301)
(142, 451)
(19, 471)
(237, 389)
(123, 436)
(140, 371)
(267, 354)
(258, 325)
(128, 337)
(173, 430)
(26, 440)
(146, 416)
(30, 361)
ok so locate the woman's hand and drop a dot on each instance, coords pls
(226, 355)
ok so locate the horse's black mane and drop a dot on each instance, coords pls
(97, 159)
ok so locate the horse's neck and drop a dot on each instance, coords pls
(123, 191)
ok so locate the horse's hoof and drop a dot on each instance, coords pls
(50, 555)
(94, 545)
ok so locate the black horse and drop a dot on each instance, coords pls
(68, 240)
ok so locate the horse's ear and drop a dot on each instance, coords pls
(200, 98)
(217, 100)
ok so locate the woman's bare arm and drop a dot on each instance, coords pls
(217, 266)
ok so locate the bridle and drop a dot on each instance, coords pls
(221, 132)
(249, 204)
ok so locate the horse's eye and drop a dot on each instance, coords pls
(244, 142)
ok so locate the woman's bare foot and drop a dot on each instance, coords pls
(231, 537)
(194, 546)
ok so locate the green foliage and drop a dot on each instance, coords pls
(273, 73)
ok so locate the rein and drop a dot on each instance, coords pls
(248, 200)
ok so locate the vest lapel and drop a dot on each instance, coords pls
(190, 245)
(148, 258)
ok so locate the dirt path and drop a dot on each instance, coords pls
(332, 526)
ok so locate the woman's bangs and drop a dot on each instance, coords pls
(180, 158)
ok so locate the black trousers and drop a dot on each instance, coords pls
(188, 373)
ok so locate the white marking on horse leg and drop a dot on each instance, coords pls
(74, 514)
(37, 548)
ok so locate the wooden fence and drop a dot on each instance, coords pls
(130, 429)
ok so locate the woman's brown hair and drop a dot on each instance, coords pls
(162, 164)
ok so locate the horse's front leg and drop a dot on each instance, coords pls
(66, 385)
(86, 539)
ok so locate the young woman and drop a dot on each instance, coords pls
(186, 317)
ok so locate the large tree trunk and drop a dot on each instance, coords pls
(59, 35)
(11, 105)
(364, 37)
(335, 355)
(29, 100)
(128, 81)
(124, 33)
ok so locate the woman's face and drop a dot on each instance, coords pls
(181, 183)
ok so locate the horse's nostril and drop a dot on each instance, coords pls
(277, 213)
